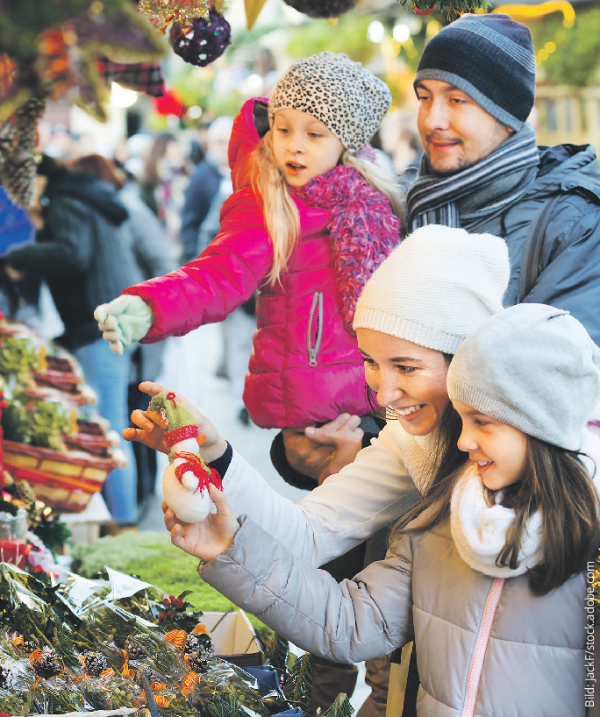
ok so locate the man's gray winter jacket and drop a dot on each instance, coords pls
(569, 266)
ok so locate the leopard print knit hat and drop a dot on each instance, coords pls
(343, 95)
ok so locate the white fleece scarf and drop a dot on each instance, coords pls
(418, 454)
(479, 531)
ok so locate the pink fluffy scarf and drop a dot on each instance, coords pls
(363, 228)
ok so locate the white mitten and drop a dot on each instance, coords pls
(124, 320)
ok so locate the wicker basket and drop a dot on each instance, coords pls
(65, 481)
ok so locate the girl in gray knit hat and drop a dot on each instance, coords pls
(487, 574)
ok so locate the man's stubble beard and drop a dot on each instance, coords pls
(462, 164)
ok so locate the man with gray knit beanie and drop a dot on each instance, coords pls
(483, 171)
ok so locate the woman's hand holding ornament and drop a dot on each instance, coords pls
(211, 536)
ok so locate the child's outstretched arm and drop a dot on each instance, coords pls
(368, 616)
(124, 320)
(204, 291)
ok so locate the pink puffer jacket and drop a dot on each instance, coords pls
(304, 366)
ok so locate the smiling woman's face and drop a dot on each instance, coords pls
(408, 378)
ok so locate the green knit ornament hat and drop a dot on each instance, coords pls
(181, 422)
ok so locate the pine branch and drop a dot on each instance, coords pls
(340, 708)
(277, 652)
(302, 681)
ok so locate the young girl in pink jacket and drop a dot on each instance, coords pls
(312, 216)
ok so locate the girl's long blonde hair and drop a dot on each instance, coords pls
(280, 212)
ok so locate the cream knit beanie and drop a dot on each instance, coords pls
(532, 367)
(436, 287)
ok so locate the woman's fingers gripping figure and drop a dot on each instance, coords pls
(211, 536)
(150, 432)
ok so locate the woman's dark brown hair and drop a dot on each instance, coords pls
(99, 167)
(554, 481)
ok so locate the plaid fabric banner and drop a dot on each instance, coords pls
(139, 76)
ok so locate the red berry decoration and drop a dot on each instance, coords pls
(166, 602)
(207, 40)
(169, 612)
(424, 9)
(161, 616)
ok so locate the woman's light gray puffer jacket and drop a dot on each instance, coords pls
(533, 664)
(486, 647)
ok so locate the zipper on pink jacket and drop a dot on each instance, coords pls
(483, 636)
(316, 308)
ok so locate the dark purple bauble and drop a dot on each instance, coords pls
(322, 8)
(206, 41)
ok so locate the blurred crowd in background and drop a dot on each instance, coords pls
(172, 185)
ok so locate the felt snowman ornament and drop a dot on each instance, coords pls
(187, 477)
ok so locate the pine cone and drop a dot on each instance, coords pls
(152, 675)
(95, 663)
(17, 145)
(7, 677)
(191, 644)
(26, 118)
(134, 649)
(206, 643)
(198, 662)
(29, 646)
(47, 665)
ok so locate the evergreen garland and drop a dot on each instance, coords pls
(278, 649)
(301, 682)
(453, 8)
(341, 707)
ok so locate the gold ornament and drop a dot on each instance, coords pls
(163, 12)
(253, 8)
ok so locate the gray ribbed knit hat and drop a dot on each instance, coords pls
(491, 58)
(532, 367)
(436, 287)
(348, 99)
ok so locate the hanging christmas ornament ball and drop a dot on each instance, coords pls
(322, 8)
(207, 39)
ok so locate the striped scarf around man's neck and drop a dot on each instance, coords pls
(433, 199)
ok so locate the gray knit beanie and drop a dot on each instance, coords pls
(436, 287)
(491, 58)
(532, 367)
(348, 99)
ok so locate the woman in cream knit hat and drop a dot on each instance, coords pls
(434, 290)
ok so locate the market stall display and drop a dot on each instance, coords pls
(63, 457)
(89, 645)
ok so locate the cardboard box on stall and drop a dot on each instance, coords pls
(234, 638)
